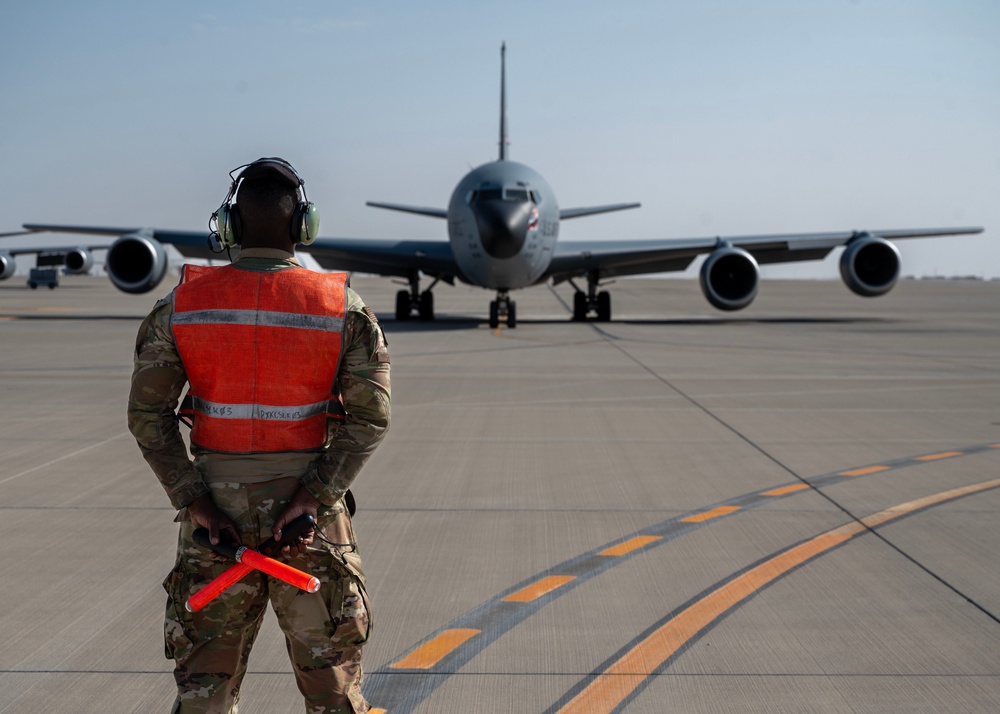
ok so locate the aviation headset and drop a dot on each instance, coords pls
(305, 219)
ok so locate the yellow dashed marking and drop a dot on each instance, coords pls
(610, 688)
(786, 489)
(865, 471)
(542, 587)
(630, 545)
(935, 457)
(708, 515)
(429, 654)
(377, 711)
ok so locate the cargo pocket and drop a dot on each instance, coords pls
(184, 632)
(353, 614)
(176, 622)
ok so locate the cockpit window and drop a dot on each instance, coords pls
(492, 193)
(489, 194)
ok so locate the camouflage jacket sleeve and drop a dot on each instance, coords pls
(363, 381)
(158, 379)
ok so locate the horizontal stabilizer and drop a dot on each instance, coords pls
(567, 213)
(419, 210)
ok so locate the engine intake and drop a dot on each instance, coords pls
(8, 266)
(136, 263)
(729, 278)
(78, 261)
(870, 265)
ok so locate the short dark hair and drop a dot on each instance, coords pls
(266, 202)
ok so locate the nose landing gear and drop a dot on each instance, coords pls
(503, 308)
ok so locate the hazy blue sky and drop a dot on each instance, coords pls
(722, 118)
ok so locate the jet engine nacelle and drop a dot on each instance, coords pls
(7, 266)
(136, 263)
(870, 265)
(78, 261)
(729, 278)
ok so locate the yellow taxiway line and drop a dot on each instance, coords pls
(430, 653)
(610, 688)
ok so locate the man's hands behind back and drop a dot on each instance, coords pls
(205, 514)
(302, 502)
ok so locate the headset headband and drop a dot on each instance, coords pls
(272, 167)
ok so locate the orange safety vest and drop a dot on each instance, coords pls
(261, 351)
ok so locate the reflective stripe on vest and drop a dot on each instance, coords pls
(261, 351)
(259, 317)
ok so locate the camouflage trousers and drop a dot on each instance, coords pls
(324, 631)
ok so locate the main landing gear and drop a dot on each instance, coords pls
(503, 308)
(591, 301)
(412, 300)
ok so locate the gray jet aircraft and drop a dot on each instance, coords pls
(503, 235)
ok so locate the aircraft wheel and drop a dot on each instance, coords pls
(402, 305)
(604, 306)
(512, 314)
(579, 306)
(427, 306)
(494, 314)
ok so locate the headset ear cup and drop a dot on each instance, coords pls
(310, 223)
(224, 225)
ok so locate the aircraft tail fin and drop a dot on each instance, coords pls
(504, 139)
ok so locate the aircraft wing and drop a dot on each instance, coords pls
(191, 244)
(141, 265)
(614, 258)
(385, 257)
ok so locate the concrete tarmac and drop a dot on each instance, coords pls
(792, 508)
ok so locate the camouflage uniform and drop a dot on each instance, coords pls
(324, 631)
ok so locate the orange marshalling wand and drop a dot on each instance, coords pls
(248, 560)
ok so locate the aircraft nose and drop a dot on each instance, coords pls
(503, 226)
